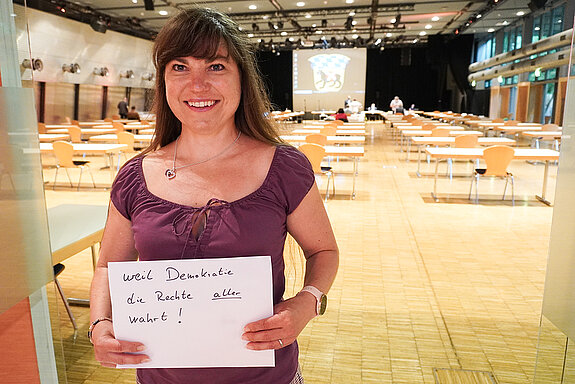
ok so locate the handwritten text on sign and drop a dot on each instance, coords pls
(191, 313)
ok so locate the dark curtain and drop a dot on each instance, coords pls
(277, 72)
(386, 77)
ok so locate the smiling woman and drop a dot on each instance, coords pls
(215, 183)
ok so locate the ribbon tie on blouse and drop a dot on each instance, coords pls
(184, 223)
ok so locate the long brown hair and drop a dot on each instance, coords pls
(198, 32)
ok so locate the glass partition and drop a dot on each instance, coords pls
(556, 349)
(30, 350)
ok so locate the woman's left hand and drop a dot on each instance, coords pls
(290, 318)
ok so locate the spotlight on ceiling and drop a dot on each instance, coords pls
(129, 74)
(34, 64)
(72, 68)
(349, 23)
(103, 71)
(396, 20)
(148, 76)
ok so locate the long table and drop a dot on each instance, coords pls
(421, 141)
(93, 149)
(73, 228)
(477, 153)
(537, 136)
(330, 139)
(339, 132)
(354, 152)
(144, 139)
(49, 137)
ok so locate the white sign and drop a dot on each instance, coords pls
(191, 313)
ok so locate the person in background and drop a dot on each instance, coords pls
(215, 182)
(346, 102)
(355, 106)
(396, 104)
(133, 115)
(340, 115)
(123, 108)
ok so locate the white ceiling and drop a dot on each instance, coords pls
(326, 18)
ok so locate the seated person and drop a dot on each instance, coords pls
(340, 115)
(132, 114)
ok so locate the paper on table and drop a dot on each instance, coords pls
(191, 313)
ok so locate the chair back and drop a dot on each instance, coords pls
(116, 117)
(119, 127)
(328, 131)
(440, 132)
(64, 153)
(498, 120)
(497, 159)
(428, 126)
(126, 138)
(316, 138)
(337, 122)
(68, 120)
(546, 127)
(314, 153)
(466, 141)
(109, 119)
(75, 134)
(76, 123)
(41, 128)
(511, 122)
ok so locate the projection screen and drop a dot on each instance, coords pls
(322, 79)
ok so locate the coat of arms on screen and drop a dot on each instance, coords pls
(328, 71)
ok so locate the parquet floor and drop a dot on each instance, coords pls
(426, 292)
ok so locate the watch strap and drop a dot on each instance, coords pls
(318, 297)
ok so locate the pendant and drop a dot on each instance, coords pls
(170, 173)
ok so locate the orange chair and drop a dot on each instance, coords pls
(328, 131)
(128, 139)
(110, 119)
(75, 134)
(550, 127)
(315, 154)
(41, 128)
(466, 141)
(316, 138)
(337, 122)
(497, 159)
(64, 153)
(119, 127)
(440, 132)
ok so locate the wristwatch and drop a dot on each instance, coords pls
(320, 298)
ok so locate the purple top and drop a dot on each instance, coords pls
(253, 225)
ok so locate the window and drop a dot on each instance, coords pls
(557, 20)
(485, 50)
(506, 41)
(536, 29)
(487, 84)
(545, 25)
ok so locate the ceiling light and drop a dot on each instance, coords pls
(319, 32)
(307, 16)
(473, 83)
(505, 22)
(537, 72)
(163, 13)
(392, 21)
(135, 1)
(300, 3)
(520, 13)
(352, 13)
(354, 22)
(355, 36)
(428, 26)
(389, 34)
(479, 16)
(500, 79)
(537, 28)
(415, 41)
(284, 33)
(491, 30)
(265, 17)
(377, 42)
(291, 39)
(314, 25)
(250, 35)
(435, 18)
(253, 6)
(349, 1)
(422, 33)
(72, 68)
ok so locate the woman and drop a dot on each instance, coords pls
(340, 115)
(215, 182)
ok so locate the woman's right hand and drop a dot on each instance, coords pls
(111, 352)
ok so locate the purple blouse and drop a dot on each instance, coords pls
(253, 225)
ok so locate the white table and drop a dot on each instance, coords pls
(330, 139)
(94, 149)
(339, 132)
(477, 153)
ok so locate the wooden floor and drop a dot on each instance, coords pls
(427, 292)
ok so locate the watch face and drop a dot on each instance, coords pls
(322, 305)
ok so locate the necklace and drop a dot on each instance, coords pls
(171, 172)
